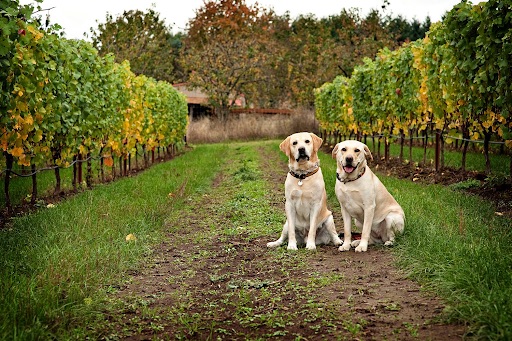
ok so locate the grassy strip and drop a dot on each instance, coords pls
(456, 246)
(57, 264)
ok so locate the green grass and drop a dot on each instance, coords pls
(457, 247)
(59, 264)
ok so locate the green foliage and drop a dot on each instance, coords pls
(406, 31)
(66, 100)
(141, 38)
(456, 80)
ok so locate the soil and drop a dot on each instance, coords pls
(245, 292)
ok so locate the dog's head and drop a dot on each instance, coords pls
(301, 148)
(351, 156)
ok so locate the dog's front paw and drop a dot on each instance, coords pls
(389, 243)
(292, 246)
(337, 241)
(311, 246)
(356, 242)
(344, 247)
(363, 246)
(273, 244)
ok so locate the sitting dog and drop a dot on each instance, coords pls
(308, 221)
(362, 196)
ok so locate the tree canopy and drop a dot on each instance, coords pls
(231, 48)
(143, 39)
(227, 48)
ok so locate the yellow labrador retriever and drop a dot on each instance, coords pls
(363, 197)
(308, 221)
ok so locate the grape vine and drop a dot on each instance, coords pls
(61, 99)
(455, 82)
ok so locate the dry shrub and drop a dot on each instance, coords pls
(251, 127)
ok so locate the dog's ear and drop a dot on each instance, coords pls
(335, 151)
(317, 142)
(368, 153)
(285, 146)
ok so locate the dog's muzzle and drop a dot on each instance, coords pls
(302, 155)
(349, 167)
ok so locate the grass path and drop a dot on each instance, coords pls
(213, 277)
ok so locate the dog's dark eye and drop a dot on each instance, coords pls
(294, 143)
(344, 149)
(307, 141)
(357, 150)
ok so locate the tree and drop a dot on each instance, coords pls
(143, 39)
(405, 31)
(227, 48)
(323, 49)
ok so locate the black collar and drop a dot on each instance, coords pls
(303, 176)
(349, 180)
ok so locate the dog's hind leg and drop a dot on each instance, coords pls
(282, 238)
(328, 233)
(394, 223)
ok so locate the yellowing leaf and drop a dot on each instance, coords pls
(109, 161)
(38, 136)
(29, 120)
(22, 106)
(131, 237)
(17, 152)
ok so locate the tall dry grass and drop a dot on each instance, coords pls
(251, 126)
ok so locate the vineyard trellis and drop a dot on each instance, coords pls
(453, 84)
(63, 103)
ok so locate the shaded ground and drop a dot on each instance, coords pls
(205, 285)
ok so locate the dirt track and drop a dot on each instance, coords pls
(209, 286)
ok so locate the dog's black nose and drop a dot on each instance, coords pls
(349, 159)
(302, 154)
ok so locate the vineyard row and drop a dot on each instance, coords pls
(61, 101)
(455, 81)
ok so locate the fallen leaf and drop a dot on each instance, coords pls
(131, 237)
